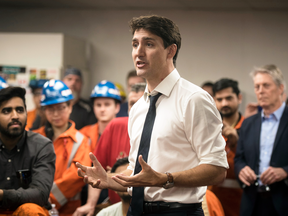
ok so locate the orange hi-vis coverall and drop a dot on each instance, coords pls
(92, 132)
(229, 192)
(27, 209)
(70, 147)
(31, 116)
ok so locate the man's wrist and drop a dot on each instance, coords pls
(162, 179)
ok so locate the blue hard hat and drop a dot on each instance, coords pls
(54, 92)
(3, 83)
(106, 89)
(37, 83)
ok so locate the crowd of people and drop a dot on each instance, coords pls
(181, 150)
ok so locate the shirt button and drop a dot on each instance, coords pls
(8, 178)
(9, 160)
(18, 150)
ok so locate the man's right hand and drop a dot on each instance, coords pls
(86, 209)
(247, 176)
(96, 176)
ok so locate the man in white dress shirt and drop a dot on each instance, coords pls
(186, 148)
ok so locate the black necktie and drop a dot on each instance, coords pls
(136, 207)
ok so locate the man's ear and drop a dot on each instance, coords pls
(172, 49)
(240, 98)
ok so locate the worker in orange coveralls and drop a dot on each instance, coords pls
(227, 97)
(69, 144)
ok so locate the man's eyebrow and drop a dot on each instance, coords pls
(144, 38)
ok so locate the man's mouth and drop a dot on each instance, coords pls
(140, 64)
(14, 124)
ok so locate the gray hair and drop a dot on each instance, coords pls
(138, 87)
(273, 71)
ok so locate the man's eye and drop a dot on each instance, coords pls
(134, 44)
(20, 110)
(6, 111)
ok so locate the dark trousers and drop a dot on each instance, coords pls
(174, 212)
(178, 212)
(264, 205)
(196, 212)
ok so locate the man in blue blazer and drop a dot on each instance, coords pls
(261, 161)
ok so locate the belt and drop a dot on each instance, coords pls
(230, 183)
(155, 207)
(263, 189)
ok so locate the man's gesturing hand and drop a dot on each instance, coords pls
(147, 177)
(96, 176)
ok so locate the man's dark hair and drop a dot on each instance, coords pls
(10, 92)
(160, 26)
(138, 87)
(209, 84)
(226, 83)
(118, 163)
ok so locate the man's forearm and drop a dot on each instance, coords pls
(202, 175)
(14, 198)
(93, 195)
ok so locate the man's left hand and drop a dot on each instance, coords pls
(147, 177)
(272, 175)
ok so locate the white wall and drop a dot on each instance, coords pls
(214, 44)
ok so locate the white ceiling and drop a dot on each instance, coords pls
(149, 4)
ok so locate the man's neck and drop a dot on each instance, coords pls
(59, 130)
(8, 142)
(153, 82)
(125, 207)
(271, 109)
(101, 126)
(232, 120)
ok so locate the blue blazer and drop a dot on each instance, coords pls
(248, 153)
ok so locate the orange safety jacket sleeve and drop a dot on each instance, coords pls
(92, 132)
(70, 184)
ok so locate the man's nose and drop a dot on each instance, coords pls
(224, 102)
(14, 114)
(140, 50)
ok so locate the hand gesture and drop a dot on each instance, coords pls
(96, 176)
(147, 177)
(272, 175)
(231, 134)
(247, 176)
(251, 109)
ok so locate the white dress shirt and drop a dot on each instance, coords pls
(186, 133)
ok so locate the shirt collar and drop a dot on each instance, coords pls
(277, 114)
(165, 86)
(70, 132)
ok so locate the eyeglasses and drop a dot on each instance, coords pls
(58, 109)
